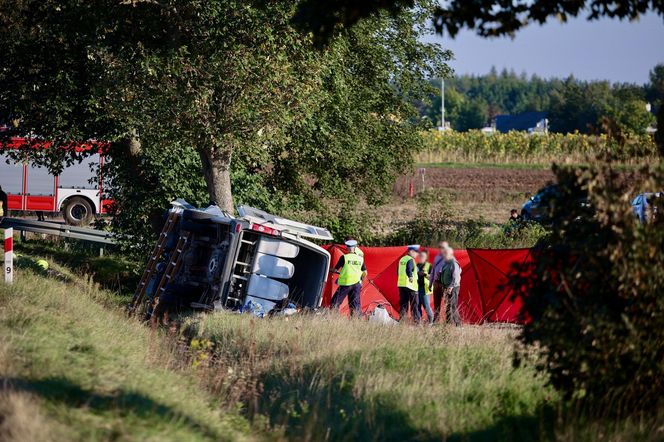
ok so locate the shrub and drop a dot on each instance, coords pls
(432, 225)
(594, 295)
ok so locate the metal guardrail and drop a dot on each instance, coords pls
(57, 229)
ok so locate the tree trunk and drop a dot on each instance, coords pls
(131, 149)
(217, 172)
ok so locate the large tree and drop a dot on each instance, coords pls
(227, 87)
(219, 75)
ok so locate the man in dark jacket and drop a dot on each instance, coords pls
(434, 279)
(450, 279)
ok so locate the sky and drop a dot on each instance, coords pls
(606, 49)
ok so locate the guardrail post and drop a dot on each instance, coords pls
(9, 256)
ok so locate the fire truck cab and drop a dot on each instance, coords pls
(77, 192)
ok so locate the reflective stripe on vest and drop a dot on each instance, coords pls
(402, 280)
(351, 273)
(426, 269)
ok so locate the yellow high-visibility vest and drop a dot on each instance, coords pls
(351, 272)
(403, 280)
(426, 268)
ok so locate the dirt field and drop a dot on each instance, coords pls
(473, 192)
(476, 179)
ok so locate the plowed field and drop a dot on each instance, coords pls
(477, 180)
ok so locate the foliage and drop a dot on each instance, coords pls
(593, 295)
(363, 129)
(520, 147)
(655, 89)
(585, 107)
(326, 19)
(490, 17)
(207, 76)
(433, 224)
(655, 95)
(495, 18)
(503, 92)
(227, 88)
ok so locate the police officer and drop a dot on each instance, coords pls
(424, 288)
(358, 251)
(351, 271)
(407, 283)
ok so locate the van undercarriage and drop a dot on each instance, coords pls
(209, 260)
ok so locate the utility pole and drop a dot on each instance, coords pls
(442, 103)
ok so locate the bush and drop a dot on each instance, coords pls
(432, 225)
(594, 295)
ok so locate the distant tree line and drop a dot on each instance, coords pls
(471, 102)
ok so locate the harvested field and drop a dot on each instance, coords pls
(477, 179)
(473, 192)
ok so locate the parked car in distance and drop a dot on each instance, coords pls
(641, 205)
(538, 206)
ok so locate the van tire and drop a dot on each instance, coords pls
(78, 212)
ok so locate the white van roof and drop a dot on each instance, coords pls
(283, 224)
(257, 216)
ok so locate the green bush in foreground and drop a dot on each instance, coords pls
(595, 295)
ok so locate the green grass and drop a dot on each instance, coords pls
(330, 378)
(85, 372)
(73, 367)
(112, 271)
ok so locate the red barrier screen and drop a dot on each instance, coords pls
(484, 294)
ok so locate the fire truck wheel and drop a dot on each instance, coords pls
(78, 212)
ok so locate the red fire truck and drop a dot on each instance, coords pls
(78, 192)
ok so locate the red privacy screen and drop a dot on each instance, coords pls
(484, 295)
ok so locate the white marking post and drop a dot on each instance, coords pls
(9, 256)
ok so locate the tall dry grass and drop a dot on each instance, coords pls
(73, 358)
(325, 377)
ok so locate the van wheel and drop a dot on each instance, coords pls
(78, 212)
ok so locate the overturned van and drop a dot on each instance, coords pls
(208, 259)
